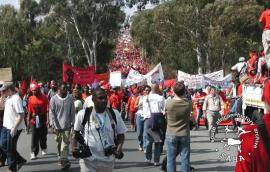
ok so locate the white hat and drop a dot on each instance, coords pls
(5, 86)
(241, 59)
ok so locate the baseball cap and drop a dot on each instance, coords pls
(6, 85)
(241, 59)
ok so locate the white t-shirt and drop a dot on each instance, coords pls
(78, 104)
(156, 103)
(88, 102)
(13, 107)
(238, 66)
(140, 108)
(91, 135)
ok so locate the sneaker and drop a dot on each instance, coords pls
(33, 156)
(23, 161)
(44, 152)
(2, 163)
(59, 161)
(156, 164)
(65, 164)
(19, 166)
(140, 148)
(148, 162)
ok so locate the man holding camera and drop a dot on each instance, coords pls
(100, 133)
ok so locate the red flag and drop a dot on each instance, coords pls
(102, 77)
(78, 75)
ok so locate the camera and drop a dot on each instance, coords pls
(111, 150)
(82, 152)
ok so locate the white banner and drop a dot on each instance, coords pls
(134, 77)
(115, 79)
(215, 78)
(223, 83)
(218, 75)
(155, 75)
(193, 81)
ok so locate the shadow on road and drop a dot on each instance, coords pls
(72, 169)
(123, 165)
(219, 168)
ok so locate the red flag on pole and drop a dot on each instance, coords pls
(78, 75)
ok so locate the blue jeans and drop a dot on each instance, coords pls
(9, 146)
(140, 127)
(234, 107)
(176, 145)
(3, 155)
(149, 143)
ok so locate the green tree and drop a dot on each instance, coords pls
(198, 36)
(36, 39)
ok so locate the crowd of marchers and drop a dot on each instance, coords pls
(92, 120)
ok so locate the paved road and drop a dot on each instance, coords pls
(205, 156)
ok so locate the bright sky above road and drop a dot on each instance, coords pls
(15, 3)
(128, 11)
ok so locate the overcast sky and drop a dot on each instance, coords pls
(127, 10)
(16, 3)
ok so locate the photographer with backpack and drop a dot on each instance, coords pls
(100, 133)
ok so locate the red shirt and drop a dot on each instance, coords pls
(114, 101)
(223, 96)
(199, 99)
(239, 90)
(253, 155)
(120, 95)
(265, 19)
(132, 103)
(38, 106)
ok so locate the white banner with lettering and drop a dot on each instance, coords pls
(223, 83)
(134, 77)
(218, 75)
(195, 81)
(155, 75)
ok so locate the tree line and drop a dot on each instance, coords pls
(195, 36)
(39, 36)
(198, 36)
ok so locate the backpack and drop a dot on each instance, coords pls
(87, 115)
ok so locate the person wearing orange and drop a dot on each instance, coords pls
(86, 92)
(198, 100)
(265, 24)
(131, 107)
(254, 150)
(114, 100)
(37, 118)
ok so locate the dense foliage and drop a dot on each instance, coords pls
(190, 35)
(36, 39)
(198, 36)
